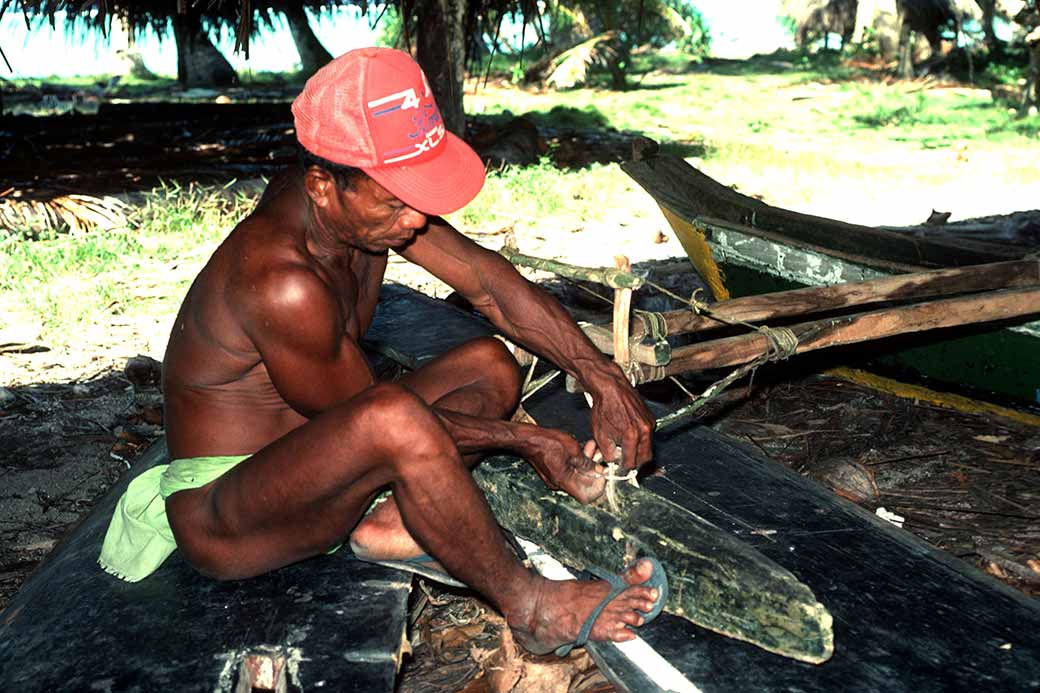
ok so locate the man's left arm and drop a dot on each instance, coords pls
(530, 316)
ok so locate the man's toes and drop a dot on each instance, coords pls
(623, 634)
(639, 572)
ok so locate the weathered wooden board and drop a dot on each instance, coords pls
(715, 580)
(336, 622)
(907, 617)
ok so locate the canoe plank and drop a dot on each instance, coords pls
(691, 194)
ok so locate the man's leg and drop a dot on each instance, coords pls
(304, 492)
(478, 378)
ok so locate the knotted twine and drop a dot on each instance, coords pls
(781, 344)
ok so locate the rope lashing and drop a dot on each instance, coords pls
(612, 476)
(654, 324)
(782, 343)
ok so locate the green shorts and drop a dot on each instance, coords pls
(139, 537)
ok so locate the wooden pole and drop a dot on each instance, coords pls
(997, 275)
(607, 276)
(621, 320)
(850, 329)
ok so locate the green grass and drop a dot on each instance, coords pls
(68, 281)
(807, 132)
(937, 120)
(128, 85)
(525, 197)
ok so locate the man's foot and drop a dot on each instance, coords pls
(582, 479)
(382, 536)
(556, 613)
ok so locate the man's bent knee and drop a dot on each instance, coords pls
(400, 424)
(500, 371)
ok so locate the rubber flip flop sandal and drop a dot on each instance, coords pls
(418, 565)
(658, 580)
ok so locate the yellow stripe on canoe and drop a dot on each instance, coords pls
(699, 252)
(966, 405)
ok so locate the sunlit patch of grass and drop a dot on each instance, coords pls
(68, 280)
(527, 197)
(936, 120)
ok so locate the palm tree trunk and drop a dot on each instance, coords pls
(1031, 93)
(313, 55)
(884, 18)
(989, 12)
(441, 51)
(199, 63)
(906, 52)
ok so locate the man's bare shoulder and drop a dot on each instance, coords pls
(272, 272)
(265, 258)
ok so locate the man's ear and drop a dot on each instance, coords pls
(320, 185)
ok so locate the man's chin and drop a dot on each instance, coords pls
(401, 243)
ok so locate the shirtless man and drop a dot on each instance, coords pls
(263, 371)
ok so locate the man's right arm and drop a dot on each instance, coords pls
(297, 325)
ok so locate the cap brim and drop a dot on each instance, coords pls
(439, 185)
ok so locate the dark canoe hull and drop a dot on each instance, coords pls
(907, 617)
(336, 623)
(744, 247)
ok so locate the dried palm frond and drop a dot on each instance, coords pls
(571, 67)
(34, 219)
(676, 25)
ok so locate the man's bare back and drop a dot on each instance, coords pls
(264, 363)
(219, 396)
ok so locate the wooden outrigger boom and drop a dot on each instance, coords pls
(944, 298)
(742, 246)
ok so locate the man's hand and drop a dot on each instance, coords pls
(620, 419)
(560, 461)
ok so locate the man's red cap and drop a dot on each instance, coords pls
(372, 108)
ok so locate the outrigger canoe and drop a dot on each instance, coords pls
(742, 246)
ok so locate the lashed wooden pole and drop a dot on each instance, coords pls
(819, 299)
(622, 311)
(849, 329)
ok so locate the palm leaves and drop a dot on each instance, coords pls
(571, 67)
(33, 219)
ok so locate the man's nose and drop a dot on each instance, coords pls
(412, 219)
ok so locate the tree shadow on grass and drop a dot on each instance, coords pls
(571, 138)
(827, 64)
